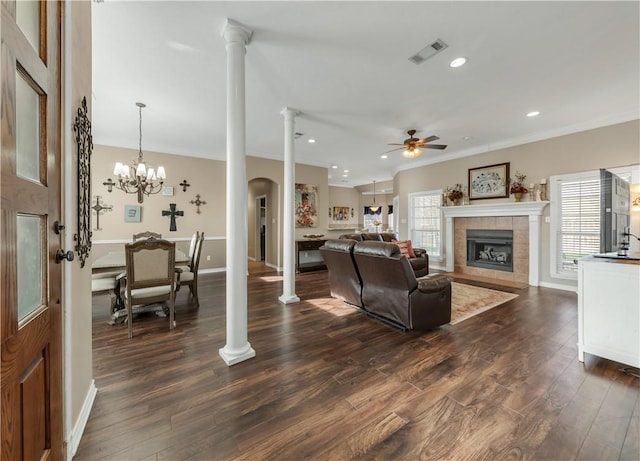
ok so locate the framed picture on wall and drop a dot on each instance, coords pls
(132, 213)
(489, 181)
(341, 213)
(306, 210)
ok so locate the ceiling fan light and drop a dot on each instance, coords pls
(412, 152)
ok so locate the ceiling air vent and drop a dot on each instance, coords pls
(428, 51)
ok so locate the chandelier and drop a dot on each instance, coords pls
(373, 208)
(138, 178)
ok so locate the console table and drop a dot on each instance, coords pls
(609, 309)
(308, 257)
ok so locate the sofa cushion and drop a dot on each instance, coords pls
(405, 247)
(356, 237)
(342, 244)
(373, 248)
(371, 236)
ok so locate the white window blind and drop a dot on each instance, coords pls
(575, 227)
(425, 228)
(580, 221)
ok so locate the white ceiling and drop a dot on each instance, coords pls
(345, 66)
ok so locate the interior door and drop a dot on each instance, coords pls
(31, 320)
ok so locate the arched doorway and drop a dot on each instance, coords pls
(262, 222)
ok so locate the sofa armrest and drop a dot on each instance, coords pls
(433, 283)
(419, 252)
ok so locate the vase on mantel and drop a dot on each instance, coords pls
(518, 196)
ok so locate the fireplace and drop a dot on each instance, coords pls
(490, 249)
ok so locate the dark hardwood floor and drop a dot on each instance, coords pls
(328, 383)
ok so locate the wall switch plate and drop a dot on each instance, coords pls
(547, 219)
(208, 258)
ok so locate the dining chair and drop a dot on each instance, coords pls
(192, 248)
(146, 235)
(105, 282)
(150, 276)
(190, 278)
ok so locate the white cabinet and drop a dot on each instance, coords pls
(609, 309)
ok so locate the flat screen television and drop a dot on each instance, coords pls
(615, 199)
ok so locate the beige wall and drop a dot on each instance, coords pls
(207, 178)
(77, 302)
(607, 147)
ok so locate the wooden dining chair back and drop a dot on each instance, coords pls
(190, 278)
(150, 276)
(146, 235)
(192, 249)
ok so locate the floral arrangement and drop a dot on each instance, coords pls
(454, 193)
(517, 185)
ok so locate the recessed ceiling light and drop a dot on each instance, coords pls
(345, 175)
(466, 138)
(311, 141)
(384, 156)
(461, 61)
(533, 113)
(345, 171)
(334, 166)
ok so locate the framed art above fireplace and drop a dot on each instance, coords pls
(489, 181)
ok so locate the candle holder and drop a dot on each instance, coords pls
(543, 191)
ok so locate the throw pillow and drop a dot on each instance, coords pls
(405, 247)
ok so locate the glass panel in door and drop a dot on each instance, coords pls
(27, 130)
(28, 20)
(29, 259)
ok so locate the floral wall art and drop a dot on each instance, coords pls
(306, 206)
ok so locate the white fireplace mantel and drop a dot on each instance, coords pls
(531, 209)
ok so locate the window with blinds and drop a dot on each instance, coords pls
(575, 225)
(425, 222)
(580, 221)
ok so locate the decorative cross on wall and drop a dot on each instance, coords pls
(172, 212)
(184, 185)
(197, 202)
(98, 207)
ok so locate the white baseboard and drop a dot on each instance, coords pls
(212, 270)
(559, 286)
(273, 266)
(436, 267)
(250, 258)
(81, 422)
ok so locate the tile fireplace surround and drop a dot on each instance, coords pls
(491, 216)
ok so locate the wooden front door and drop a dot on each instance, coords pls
(31, 312)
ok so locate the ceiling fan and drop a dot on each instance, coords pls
(411, 145)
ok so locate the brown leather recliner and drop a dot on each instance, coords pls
(391, 292)
(344, 278)
(420, 263)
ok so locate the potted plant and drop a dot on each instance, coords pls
(517, 186)
(454, 194)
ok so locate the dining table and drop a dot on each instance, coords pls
(114, 263)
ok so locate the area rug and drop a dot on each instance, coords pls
(468, 300)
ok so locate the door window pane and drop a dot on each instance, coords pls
(28, 20)
(27, 130)
(29, 256)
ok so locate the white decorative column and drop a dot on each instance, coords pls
(289, 275)
(237, 347)
(534, 249)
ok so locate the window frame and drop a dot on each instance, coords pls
(437, 194)
(627, 172)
